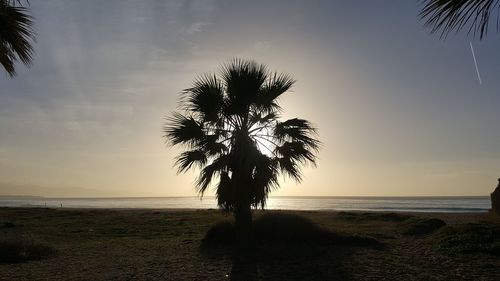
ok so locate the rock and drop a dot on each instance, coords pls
(495, 199)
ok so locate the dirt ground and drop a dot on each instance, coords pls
(93, 244)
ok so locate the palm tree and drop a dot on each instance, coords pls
(230, 126)
(454, 15)
(16, 35)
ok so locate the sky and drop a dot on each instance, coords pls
(400, 111)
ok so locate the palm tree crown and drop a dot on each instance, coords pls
(16, 35)
(454, 15)
(230, 125)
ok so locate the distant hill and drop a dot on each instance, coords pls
(19, 197)
(25, 191)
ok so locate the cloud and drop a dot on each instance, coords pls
(196, 27)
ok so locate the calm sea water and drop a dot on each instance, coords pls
(393, 204)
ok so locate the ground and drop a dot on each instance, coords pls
(77, 244)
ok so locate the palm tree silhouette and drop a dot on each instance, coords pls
(453, 15)
(16, 35)
(229, 124)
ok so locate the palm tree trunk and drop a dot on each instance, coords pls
(243, 225)
(242, 180)
(242, 210)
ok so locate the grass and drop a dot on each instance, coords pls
(292, 245)
(23, 249)
(421, 226)
(363, 216)
(8, 224)
(471, 238)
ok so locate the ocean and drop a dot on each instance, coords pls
(389, 204)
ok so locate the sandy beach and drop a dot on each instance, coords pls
(91, 244)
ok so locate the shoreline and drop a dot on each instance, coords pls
(449, 217)
(363, 204)
(480, 211)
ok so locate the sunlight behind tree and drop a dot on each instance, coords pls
(229, 124)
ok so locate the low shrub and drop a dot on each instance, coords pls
(471, 238)
(21, 249)
(421, 226)
(282, 228)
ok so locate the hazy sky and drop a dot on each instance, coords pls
(400, 111)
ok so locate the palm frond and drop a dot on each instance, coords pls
(207, 174)
(16, 36)
(17, 2)
(297, 130)
(453, 15)
(265, 179)
(225, 193)
(275, 86)
(257, 118)
(289, 168)
(181, 129)
(211, 146)
(206, 97)
(243, 80)
(296, 152)
(189, 158)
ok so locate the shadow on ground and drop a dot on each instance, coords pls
(288, 247)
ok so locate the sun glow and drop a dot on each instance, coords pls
(262, 138)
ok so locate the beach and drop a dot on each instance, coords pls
(166, 244)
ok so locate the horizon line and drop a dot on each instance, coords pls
(278, 196)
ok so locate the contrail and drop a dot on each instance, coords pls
(475, 63)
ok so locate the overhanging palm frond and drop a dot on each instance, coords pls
(453, 15)
(16, 36)
(17, 2)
